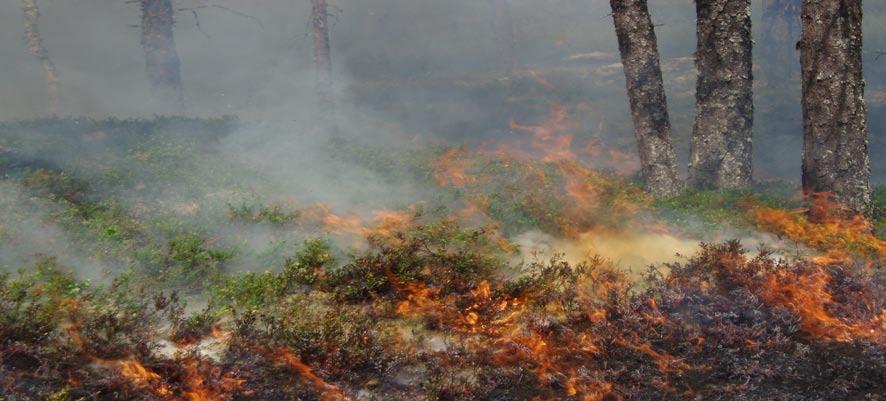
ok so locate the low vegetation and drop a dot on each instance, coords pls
(432, 302)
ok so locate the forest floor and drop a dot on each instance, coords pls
(160, 260)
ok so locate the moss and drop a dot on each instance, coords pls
(715, 208)
(274, 214)
(62, 395)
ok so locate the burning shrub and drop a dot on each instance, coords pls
(441, 255)
(433, 313)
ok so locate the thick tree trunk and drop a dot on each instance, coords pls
(322, 53)
(778, 42)
(649, 109)
(38, 50)
(503, 34)
(835, 151)
(720, 154)
(161, 59)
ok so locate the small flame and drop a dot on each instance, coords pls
(541, 80)
(328, 392)
(139, 375)
(450, 169)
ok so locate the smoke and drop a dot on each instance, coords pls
(635, 250)
(28, 233)
(402, 59)
(403, 69)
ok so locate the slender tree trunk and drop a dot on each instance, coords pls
(720, 154)
(322, 54)
(161, 59)
(778, 43)
(503, 34)
(38, 50)
(835, 151)
(649, 109)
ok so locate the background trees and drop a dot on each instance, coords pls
(835, 146)
(161, 58)
(38, 50)
(720, 154)
(437, 78)
(322, 51)
(649, 110)
(503, 34)
(777, 46)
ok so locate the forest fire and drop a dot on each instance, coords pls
(383, 222)
(826, 226)
(327, 391)
(404, 225)
(139, 376)
(577, 330)
(808, 295)
(554, 137)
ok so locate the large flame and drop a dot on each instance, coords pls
(807, 295)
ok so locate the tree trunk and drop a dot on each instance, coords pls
(322, 54)
(38, 50)
(720, 154)
(161, 59)
(778, 42)
(835, 151)
(649, 109)
(503, 34)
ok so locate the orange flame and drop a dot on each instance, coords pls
(807, 296)
(828, 228)
(541, 80)
(666, 362)
(139, 375)
(328, 392)
(554, 136)
(450, 169)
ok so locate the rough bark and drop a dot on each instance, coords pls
(322, 53)
(503, 34)
(38, 50)
(835, 151)
(777, 47)
(720, 154)
(649, 111)
(161, 59)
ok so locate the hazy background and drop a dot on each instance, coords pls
(415, 66)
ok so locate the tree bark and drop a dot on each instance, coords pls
(649, 111)
(161, 59)
(503, 34)
(322, 53)
(835, 150)
(720, 154)
(38, 50)
(778, 43)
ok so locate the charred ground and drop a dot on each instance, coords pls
(431, 300)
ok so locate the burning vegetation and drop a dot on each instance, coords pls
(328, 255)
(434, 312)
(434, 301)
